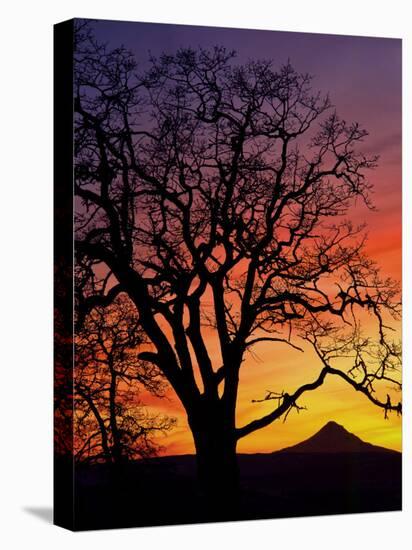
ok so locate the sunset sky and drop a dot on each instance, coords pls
(363, 79)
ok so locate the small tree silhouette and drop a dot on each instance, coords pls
(216, 195)
(110, 422)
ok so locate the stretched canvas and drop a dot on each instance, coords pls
(227, 274)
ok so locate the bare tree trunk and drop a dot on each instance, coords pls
(217, 467)
(116, 443)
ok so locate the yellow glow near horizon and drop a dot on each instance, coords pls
(281, 368)
(278, 367)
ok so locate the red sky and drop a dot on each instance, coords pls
(363, 78)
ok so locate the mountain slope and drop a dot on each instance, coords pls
(334, 438)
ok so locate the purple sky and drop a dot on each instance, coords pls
(363, 79)
(361, 74)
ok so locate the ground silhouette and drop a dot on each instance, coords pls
(332, 472)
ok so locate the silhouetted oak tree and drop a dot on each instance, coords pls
(111, 424)
(216, 194)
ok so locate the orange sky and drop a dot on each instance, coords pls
(278, 367)
(363, 78)
(281, 368)
(284, 369)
